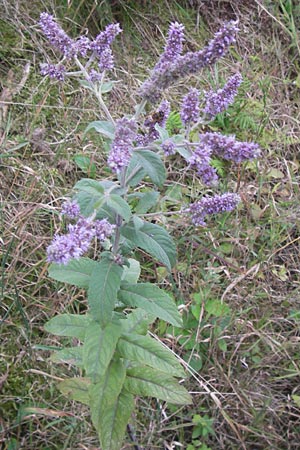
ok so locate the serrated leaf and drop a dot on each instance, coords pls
(132, 273)
(152, 299)
(145, 381)
(150, 352)
(146, 202)
(89, 185)
(69, 355)
(153, 239)
(137, 322)
(111, 406)
(71, 325)
(103, 287)
(103, 127)
(76, 272)
(119, 205)
(99, 348)
(152, 165)
(76, 389)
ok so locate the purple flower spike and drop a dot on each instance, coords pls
(121, 148)
(200, 160)
(227, 147)
(212, 205)
(105, 38)
(106, 60)
(57, 36)
(83, 45)
(53, 71)
(168, 147)
(174, 43)
(190, 107)
(71, 209)
(218, 101)
(63, 249)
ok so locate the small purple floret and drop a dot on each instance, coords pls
(103, 229)
(200, 161)
(57, 37)
(56, 72)
(71, 209)
(168, 147)
(212, 205)
(190, 107)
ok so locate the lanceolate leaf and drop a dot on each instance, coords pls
(152, 165)
(137, 322)
(119, 205)
(76, 272)
(89, 185)
(146, 202)
(76, 389)
(69, 355)
(132, 273)
(153, 239)
(102, 294)
(148, 351)
(111, 406)
(99, 348)
(72, 325)
(149, 382)
(103, 127)
(152, 299)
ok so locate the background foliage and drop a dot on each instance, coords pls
(245, 350)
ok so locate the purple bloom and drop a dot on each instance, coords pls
(53, 71)
(228, 148)
(200, 160)
(83, 45)
(121, 148)
(168, 147)
(168, 72)
(57, 36)
(101, 46)
(103, 229)
(212, 205)
(190, 107)
(219, 101)
(82, 232)
(106, 60)
(174, 43)
(62, 249)
(71, 209)
(94, 76)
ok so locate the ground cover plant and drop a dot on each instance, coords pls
(244, 349)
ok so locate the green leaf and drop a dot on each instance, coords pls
(215, 307)
(137, 322)
(145, 381)
(146, 202)
(132, 273)
(148, 351)
(134, 173)
(119, 205)
(111, 406)
(76, 389)
(184, 152)
(153, 239)
(85, 164)
(103, 127)
(102, 294)
(88, 185)
(152, 164)
(90, 196)
(76, 272)
(69, 355)
(163, 132)
(99, 348)
(106, 87)
(152, 299)
(72, 325)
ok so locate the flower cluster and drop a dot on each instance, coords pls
(200, 160)
(168, 72)
(122, 145)
(70, 209)
(168, 147)
(78, 239)
(190, 107)
(174, 44)
(227, 147)
(212, 205)
(159, 117)
(218, 101)
(70, 48)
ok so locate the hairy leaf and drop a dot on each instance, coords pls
(119, 205)
(103, 127)
(152, 299)
(146, 202)
(102, 294)
(72, 325)
(76, 389)
(99, 348)
(152, 165)
(76, 272)
(137, 322)
(148, 351)
(153, 239)
(132, 273)
(149, 382)
(69, 355)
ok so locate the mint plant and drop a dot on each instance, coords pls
(118, 358)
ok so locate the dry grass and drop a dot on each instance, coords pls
(251, 260)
